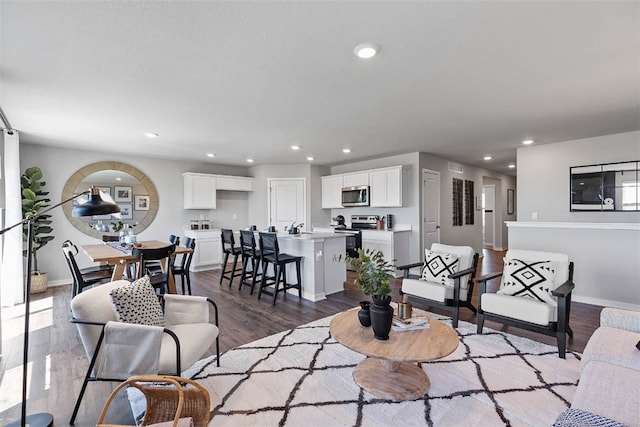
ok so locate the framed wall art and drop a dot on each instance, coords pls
(510, 201)
(126, 211)
(123, 194)
(141, 203)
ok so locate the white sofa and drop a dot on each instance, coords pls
(609, 383)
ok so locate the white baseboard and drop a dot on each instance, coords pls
(606, 303)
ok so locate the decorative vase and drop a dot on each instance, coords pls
(364, 315)
(381, 316)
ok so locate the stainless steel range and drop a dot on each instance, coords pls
(354, 233)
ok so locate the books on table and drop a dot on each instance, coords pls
(410, 324)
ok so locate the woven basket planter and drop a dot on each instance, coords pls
(39, 283)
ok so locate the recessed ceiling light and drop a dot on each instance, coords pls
(151, 134)
(527, 141)
(488, 157)
(346, 150)
(310, 158)
(366, 50)
(118, 179)
(210, 155)
(249, 160)
(511, 166)
(295, 147)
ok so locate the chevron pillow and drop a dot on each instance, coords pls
(137, 303)
(438, 266)
(529, 279)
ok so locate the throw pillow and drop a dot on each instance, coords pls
(529, 279)
(439, 266)
(137, 303)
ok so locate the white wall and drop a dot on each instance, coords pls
(59, 164)
(543, 176)
(606, 260)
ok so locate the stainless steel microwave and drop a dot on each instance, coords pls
(355, 196)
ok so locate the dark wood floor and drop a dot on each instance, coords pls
(58, 363)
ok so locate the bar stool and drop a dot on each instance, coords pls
(250, 255)
(271, 255)
(229, 248)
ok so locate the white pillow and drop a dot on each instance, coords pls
(439, 266)
(137, 303)
(529, 279)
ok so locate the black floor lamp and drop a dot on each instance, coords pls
(93, 206)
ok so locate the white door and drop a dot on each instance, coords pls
(287, 202)
(430, 208)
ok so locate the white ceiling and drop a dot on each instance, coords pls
(247, 79)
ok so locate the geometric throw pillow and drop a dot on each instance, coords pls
(138, 303)
(439, 266)
(529, 279)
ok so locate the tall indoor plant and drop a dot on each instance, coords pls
(373, 275)
(33, 200)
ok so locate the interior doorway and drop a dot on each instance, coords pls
(287, 202)
(488, 216)
(430, 208)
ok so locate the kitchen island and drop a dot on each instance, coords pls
(322, 273)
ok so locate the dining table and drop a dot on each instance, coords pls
(118, 255)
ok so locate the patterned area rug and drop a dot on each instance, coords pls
(304, 377)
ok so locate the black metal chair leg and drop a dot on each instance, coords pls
(480, 322)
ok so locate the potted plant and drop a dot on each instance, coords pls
(373, 276)
(33, 200)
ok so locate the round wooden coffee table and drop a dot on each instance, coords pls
(390, 371)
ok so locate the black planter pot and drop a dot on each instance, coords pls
(381, 316)
(364, 315)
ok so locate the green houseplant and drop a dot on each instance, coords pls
(33, 200)
(373, 276)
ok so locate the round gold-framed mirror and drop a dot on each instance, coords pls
(130, 188)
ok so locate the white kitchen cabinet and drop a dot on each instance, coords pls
(199, 191)
(393, 244)
(355, 179)
(332, 191)
(386, 187)
(208, 252)
(234, 183)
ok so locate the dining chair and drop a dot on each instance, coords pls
(271, 255)
(183, 268)
(164, 255)
(83, 277)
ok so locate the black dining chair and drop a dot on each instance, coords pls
(271, 255)
(251, 257)
(229, 248)
(183, 269)
(159, 279)
(84, 277)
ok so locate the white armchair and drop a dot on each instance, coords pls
(447, 279)
(117, 346)
(534, 294)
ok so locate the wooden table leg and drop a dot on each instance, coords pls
(395, 381)
(118, 271)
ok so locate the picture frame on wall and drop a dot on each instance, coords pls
(126, 211)
(106, 190)
(123, 194)
(511, 201)
(141, 203)
(478, 203)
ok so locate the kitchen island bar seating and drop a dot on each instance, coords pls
(229, 249)
(271, 255)
(250, 257)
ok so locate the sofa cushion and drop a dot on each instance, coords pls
(609, 390)
(529, 279)
(601, 344)
(137, 303)
(525, 309)
(438, 266)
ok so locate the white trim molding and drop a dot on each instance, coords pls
(576, 225)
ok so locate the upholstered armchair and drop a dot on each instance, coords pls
(535, 294)
(125, 331)
(446, 281)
